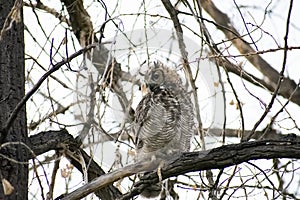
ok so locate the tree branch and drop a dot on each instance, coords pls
(50, 140)
(222, 157)
(62, 140)
(41, 6)
(4, 130)
(271, 75)
(217, 158)
(281, 76)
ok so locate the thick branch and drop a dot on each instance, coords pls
(83, 29)
(50, 140)
(80, 22)
(222, 157)
(217, 158)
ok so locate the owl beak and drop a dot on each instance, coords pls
(144, 89)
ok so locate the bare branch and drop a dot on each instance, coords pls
(63, 141)
(41, 6)
(14, 113)
(271, 75)
(281, 75)
(217, 158)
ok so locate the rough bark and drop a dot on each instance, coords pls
(12, 86)
(218, 158)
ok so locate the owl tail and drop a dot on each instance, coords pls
(152, 191)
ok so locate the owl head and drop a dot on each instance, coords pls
(159, 75)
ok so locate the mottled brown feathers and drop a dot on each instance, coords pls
(164, 119)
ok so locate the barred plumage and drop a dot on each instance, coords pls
(164, 119)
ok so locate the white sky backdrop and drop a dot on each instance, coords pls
(273, 23)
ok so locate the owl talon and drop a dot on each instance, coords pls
(161, 164)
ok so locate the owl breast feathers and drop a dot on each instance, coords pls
(164, 119)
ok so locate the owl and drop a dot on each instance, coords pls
(164, 118)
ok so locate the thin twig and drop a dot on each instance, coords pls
(278, 112)
(90, 116)
(52, 11)
(53, 177)
(248, 32)
(38, 179)
(253, 53)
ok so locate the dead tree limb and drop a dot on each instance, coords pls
(217, 158)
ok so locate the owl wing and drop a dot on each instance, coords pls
(156, 121)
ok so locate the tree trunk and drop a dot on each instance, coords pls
(12, 82)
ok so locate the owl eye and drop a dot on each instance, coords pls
(157, 76)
